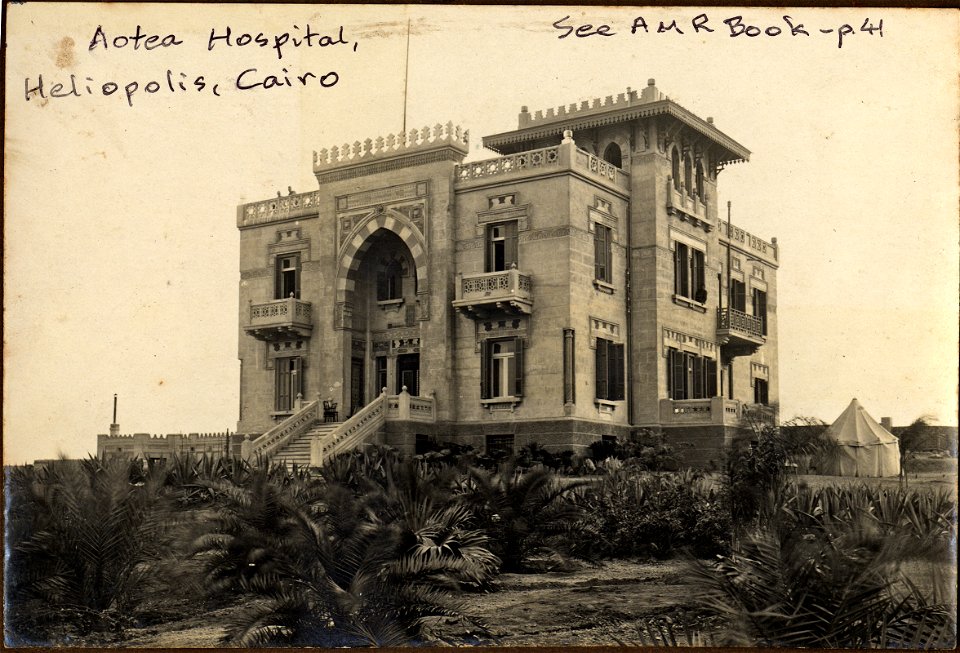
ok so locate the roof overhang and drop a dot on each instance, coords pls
(507, 142)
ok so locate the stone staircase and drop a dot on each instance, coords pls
(297, 450)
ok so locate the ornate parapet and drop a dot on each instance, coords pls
(290, 207)
(426, 145)
(769, 252)
(574, 110)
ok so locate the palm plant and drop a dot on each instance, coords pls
(525, 514)
(331, 565)
(820, 590)
(93, 527)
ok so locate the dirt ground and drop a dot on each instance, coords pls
(589, 606)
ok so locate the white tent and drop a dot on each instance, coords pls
(860, 446)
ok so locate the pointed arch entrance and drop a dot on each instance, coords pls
(381, 298)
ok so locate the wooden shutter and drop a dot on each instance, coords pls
(518, 367)
(608, 254)
(711, 377)
(616, 372)
(296, 279)
(698, 277)
(602, 367)
(278, 278)
(484, 369)
(699, 382)
(682, 270)
(760, 308)
(598, 256)
(677, 375)
(510, 253)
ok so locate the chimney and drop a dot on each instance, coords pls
(114, 427)
(886, 423)
(524, 117)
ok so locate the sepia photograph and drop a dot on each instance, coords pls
(487, 326)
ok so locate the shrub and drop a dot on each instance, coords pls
(655, 515)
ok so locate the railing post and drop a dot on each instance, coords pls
(246, 447)
(457, 289)
(514, 278)
(404, 403)
(316, 451)
(717, 415)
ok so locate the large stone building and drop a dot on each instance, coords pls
(583, 284)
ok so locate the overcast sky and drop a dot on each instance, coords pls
(121, 247)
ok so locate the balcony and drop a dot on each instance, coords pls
(687, 207)
(738, 333)
(715, 411)
(505, 293)
(280, 319)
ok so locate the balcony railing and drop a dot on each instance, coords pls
(734, 320)
(565, 157)
(687, 207)
(482, 294)
(715, 411)
(280, 318)
(740, 334)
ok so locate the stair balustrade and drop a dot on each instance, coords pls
(292, 427)
(363, 424)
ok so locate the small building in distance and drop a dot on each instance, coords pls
(582, 284)
(157, 448)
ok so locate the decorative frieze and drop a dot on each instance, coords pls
(600, 328)
(495, 329)
(673, 339)
(387, 195)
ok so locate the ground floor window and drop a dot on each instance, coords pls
(289, 382)
(499, 445)
(691, 376)
(501, 363)
(761, 392)
(609, 364)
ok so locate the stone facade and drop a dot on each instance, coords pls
(582, 284)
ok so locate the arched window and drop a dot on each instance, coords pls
(675, 168)
(701, 191)
(688, 175)
(390, 281)
(612, 155)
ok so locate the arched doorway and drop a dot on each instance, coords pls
(384, 341)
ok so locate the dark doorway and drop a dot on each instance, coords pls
(408, 373)
(356, 385)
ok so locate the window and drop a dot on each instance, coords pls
(609, 359)
(761, 392)
(689, 275)
(602, 253)
(611, 154)
(675, 168)
(760, 309)
(287, 276)
(691, 376)
(390, 281)
(738, 296)
(501, 246)
(701, 191)
(688, 175)
(289, 382)
(380, 373)
(501, 373)
(499, 445)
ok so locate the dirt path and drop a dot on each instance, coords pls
(590, 606)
